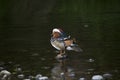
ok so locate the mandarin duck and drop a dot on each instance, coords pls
(60, 41)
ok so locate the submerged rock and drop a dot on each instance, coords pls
(91, 60)
(97, 77)
(21, 76)
(82, 79)
(40, 77)
(5, 75)
(107, 76)
(43, 78)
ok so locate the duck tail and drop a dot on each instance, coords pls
(74, 47)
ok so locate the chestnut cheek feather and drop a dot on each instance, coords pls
(56, 35)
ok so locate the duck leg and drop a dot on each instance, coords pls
(63, 61)
(62, 52)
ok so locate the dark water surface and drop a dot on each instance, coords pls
(25, 31)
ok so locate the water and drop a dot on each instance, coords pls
(25, 40)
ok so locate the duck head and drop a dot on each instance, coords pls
(56, 33)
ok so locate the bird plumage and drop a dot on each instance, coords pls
(62, 42)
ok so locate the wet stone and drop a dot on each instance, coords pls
(97, 77)
(82, 79)
(107, 76)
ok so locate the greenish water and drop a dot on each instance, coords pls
(25, 32)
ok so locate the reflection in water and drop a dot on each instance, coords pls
(95, 23)
(74, 67)
(61, 71)
(79, 69)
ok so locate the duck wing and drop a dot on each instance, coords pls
(58, 44)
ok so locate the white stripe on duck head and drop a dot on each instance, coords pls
(58, 32)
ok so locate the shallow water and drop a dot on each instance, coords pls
(25, 41)
(39, 58)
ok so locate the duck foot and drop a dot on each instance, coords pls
(61, 57)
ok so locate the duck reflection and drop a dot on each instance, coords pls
(62, 70)
(62, 42)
